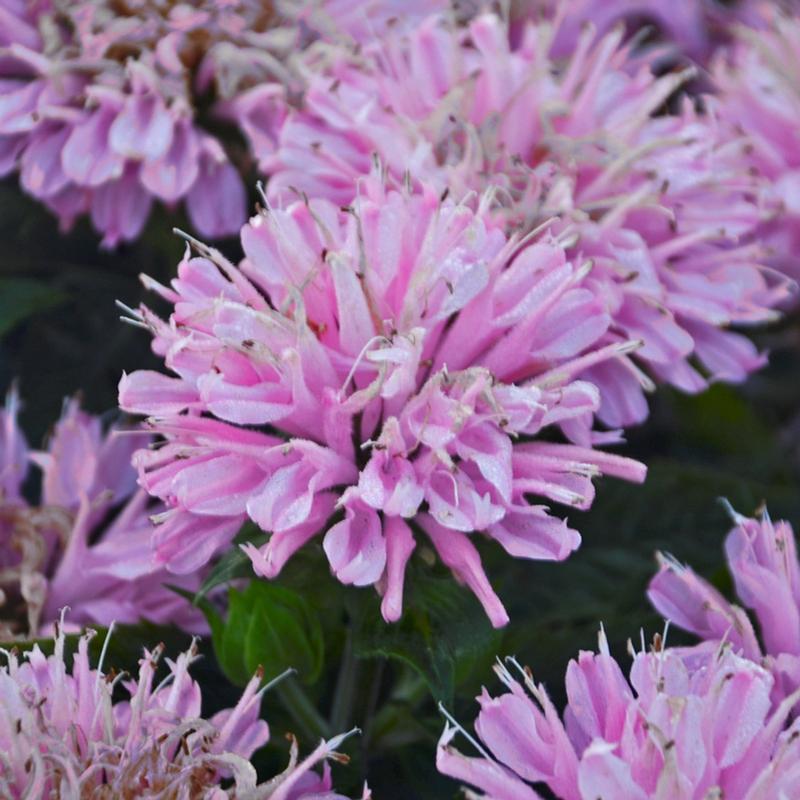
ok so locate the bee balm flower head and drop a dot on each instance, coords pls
(106, 107)
(65, 733)
(680, 727)
(762, 559)
(86, 542)
(375, 374)
(663, 203)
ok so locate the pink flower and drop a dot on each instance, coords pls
(102, 106)
(756, 82)
(62, 734)
(371, 374)
(86, 544)
(661, 204)
(762, 559)
(685, 728)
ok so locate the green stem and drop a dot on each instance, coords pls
(313, 725)
(372, 700)
(342, 709)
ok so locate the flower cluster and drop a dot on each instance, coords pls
(697, 726)
(756, 90)
(762, 558)
(106, 106)
(395, 361)
(661, 203)
(86, 543)
(63, 735)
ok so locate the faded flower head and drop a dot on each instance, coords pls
(762, 558)
(660, 202)
(86, 542)
(63, 734)
(683, 727)
(374, 374)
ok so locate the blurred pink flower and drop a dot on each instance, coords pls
(661, 203)
(86, 543)
(685, 728)
(102, 105)
(762, 558)
(756, 86)
(62, 734)
(370, 374)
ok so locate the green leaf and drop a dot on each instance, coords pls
(443, 634)
(20, 298)
(229, 644)
(271, 627)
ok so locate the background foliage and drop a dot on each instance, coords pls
(60, 335)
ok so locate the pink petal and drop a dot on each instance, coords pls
(87, 158)
(147, 392)
(399, 546)
(355, 547)
(171, 176)
(143, 128)
(457, 552)
(693, 604)
(217, 201)
(41, 172)
(603, 774)
(120, 209)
